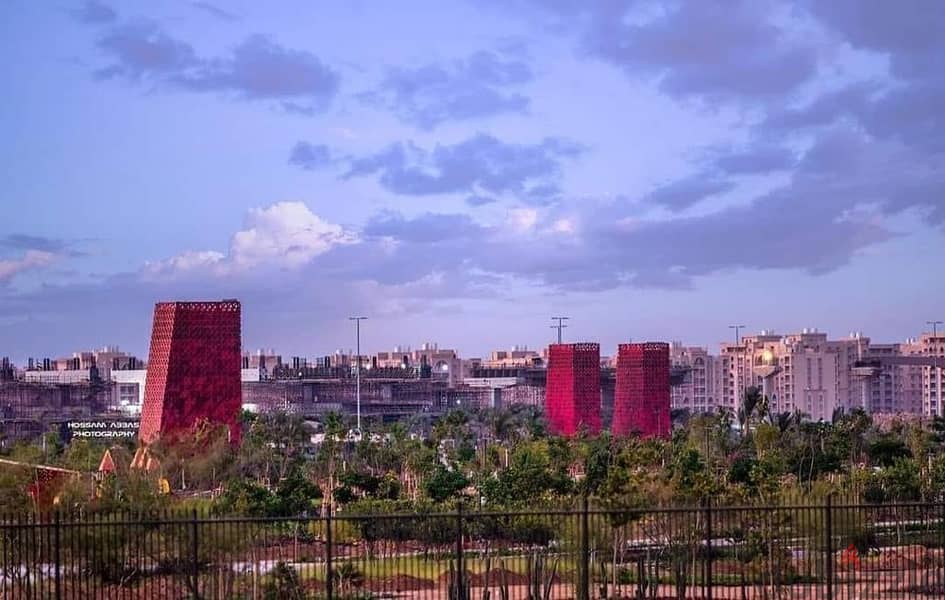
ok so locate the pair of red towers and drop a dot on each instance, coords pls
(641, 392)
(193, 369)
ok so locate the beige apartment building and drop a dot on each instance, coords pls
(517, 356)
(897, 388)
(932, 378)
(797, 372)
(701, 390)
(444, 362)
(810, 373)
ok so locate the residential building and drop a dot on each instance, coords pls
(701, 389)
(896, 388)
(933, 396)
(518, 356)
(128, 391)
(443, 364)
(90, 365)
(798, 372)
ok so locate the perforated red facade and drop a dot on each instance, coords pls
(642, 393)
(193, 369)
(572, 395)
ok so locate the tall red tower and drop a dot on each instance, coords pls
(641, 396)
(193, 369)
(572, 395)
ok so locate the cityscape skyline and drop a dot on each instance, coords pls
(804, 372)
(654, 170)
(369, 349)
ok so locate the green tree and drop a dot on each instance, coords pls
(445, 484)
(296, 495)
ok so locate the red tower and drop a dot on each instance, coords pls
(641, 396)
(193, 369)
(572, 397)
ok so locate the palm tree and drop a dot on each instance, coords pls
(751, 400)
(784, 421)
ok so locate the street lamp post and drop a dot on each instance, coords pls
(559, 326)
(357, 368)
(935, 369)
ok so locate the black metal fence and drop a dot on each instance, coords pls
(831, 551)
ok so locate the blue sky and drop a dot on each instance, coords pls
(461, 171)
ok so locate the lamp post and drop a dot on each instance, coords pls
(559, 326)
(357, 368)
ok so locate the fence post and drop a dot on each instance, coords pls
(460, 567)
(828, 557)
(194, 553)
(707, 563)
(57, 556)
(584, 581)
(329, 575)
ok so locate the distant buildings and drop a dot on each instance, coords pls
(93, 365)
(805, 371)
(128, 390)
(518, 356)
(29, 409)
(572, 395)
(193, 368)
(7, 370)
(701, 388)
(810, 373)
(933, 396)
(642, 392)
(438, 363)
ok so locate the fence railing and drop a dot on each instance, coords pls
(831, 551)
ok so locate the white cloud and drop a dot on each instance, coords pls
(32, 259)
(188, 261)
(523, 219)
(285, 234)
(562, 225)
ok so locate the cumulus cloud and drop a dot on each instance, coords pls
(30, 260)
(286, 235)
(189, 261)
(479, 165)
(523, 219)
(464, 89)
(830, 209)
(257, 69)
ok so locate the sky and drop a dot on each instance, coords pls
(461, 171)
